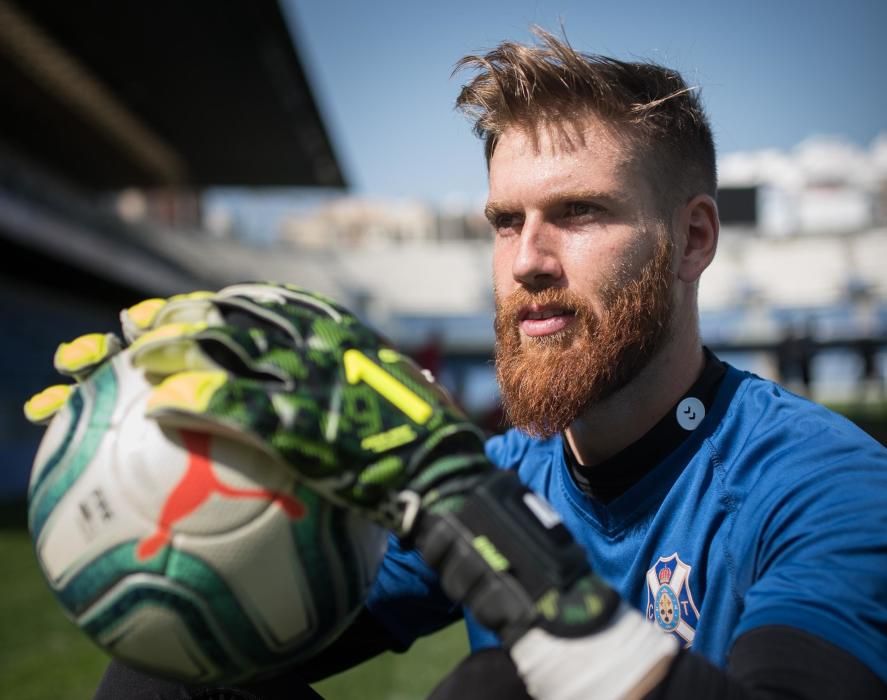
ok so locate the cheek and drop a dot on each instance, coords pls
(503, 260)
(623, 263)
(589, 265)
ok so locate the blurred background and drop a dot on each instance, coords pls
(153, 148)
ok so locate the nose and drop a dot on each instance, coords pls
(537, 264)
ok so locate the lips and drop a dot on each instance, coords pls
(540, 321)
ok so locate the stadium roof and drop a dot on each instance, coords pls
(119, 93)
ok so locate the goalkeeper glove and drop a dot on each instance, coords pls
(81, 357)
(291, 371)
(77, 359)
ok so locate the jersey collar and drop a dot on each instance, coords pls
(611, 478)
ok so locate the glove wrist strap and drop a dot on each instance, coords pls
(506, 554)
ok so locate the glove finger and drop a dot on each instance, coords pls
(82, 355)
(151, 313)
(287, 427)
(171, 348)
(179, 347)
(214, 401)
(139, 318)
(42, 406)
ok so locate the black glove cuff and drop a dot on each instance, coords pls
(506, 554)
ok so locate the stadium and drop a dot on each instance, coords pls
(129, 173)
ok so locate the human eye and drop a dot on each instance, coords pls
(581, 209)
(506, 224)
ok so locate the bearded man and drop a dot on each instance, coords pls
(738, 532)
(709, 498)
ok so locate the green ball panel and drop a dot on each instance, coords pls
(51, 490)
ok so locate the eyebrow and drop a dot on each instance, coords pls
(494, 209)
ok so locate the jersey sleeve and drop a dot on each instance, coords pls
(818, 562)
(406, 597)
(506, 451)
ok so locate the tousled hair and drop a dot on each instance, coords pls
(549, 83)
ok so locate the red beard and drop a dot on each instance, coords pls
(546, 382)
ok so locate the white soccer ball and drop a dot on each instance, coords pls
(188, 555)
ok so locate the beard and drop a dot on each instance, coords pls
(546, 382)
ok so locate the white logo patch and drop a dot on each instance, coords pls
(669, 599)
(690, 413)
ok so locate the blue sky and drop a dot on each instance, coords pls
(772, 73)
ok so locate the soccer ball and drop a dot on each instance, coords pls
(187, 555)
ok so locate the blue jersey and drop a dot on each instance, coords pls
(773, 511)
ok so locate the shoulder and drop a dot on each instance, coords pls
(406, 597)
(770, 430)
(792, 463)
(807, 486)
(811, 533)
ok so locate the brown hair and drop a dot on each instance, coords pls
(549, 82)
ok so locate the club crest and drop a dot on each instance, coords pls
(669, 600)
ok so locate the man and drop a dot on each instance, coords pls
(717, 503)
(737, 522)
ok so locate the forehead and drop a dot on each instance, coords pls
(584, 158)
(563, 150)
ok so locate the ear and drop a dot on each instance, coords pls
(699, 223)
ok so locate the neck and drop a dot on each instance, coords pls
(608, 427)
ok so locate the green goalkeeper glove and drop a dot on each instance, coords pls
(77, 360)
(294, 373)
(301, 378)
(81, 357)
